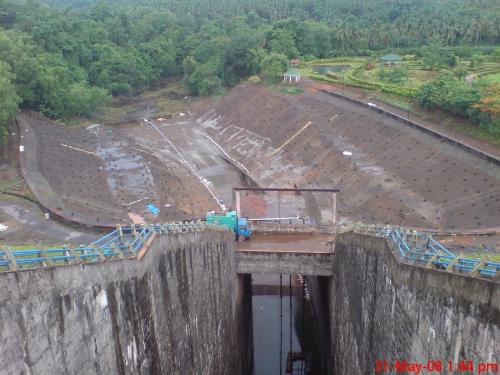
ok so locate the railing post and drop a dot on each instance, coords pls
(12, 259)
(475, 271)
(67, 253)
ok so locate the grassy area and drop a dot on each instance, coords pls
(482, 255)
(416, 77)
(365, 73)
(478, 132)
(493, 78)
(164, 100)
(291, 90)
(395, 100)
(29, 247)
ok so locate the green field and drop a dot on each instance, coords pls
(369, 74)
(493, 78)
(365, 73)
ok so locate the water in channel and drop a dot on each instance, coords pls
(283, 327)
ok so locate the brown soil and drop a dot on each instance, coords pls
(95, 179)
(435, 120)
(396, 175)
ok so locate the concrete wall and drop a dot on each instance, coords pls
(173, 312)
(314, 264)
(384, 310)
(291, 228)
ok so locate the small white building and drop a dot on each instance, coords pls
(291, 75)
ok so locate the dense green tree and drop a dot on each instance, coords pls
(240, 55)
(83, 100)
(64, 58)
(118, 70)
(489, 108)
(205, 79)
(283, 42)
(450, 94)
(394, 75)
(273, 66)
(8, 99)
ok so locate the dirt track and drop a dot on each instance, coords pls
(396, 174)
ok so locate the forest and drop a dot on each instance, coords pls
(67, 58)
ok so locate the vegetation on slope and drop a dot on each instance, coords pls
(67, 58)
(461, 81)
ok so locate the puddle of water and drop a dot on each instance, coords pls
(124, 170)
(324, 69)
(15, 212)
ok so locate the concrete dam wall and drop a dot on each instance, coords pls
(383, 310)
(173, 312)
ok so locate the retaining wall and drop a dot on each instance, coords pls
(286, 263)
(291, 228)
(484, 155)
(172, 312)
(382, 309)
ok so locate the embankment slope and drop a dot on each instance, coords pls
(397, 174)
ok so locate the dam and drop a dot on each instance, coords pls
(180, 303)
(354, 284)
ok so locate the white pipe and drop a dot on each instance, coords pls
(200, 178)
(228, 156)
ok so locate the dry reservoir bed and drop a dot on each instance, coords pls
(396, 174)
(93, 177)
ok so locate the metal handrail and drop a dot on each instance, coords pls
(425, 249)
(123, 242)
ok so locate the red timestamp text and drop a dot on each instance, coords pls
(435, 366)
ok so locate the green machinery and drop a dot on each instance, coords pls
(239, 225)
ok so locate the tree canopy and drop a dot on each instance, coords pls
(66, 57)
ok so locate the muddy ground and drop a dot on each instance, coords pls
(396, 174)
(107, 175)
(27, 225)
(187, 162)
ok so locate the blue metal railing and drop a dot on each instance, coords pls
(420, 248)
(123, 242)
